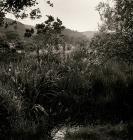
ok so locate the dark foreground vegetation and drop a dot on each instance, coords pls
(101, 132)
(49, 80)
(36, 97)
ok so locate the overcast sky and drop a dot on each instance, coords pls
(78, 15)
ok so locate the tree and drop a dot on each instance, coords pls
(107, 16)
(116, 37)
(124, 19)
(2, 15)
(49, 35)
(119, 17)
(18, 8)
(110, 46)
(51, 31)
(29, 32)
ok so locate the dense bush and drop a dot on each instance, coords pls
(57, 90)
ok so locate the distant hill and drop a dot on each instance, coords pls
(15, 26)
(74, 34)
(18, 27)
(89, 34)
(74, 37)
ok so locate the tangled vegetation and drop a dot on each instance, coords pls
(48, 85)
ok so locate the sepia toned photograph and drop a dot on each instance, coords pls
(66, 69)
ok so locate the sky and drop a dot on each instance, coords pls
(79, 15)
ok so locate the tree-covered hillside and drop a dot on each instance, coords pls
(15, 26)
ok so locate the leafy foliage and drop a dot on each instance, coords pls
(51, 31)
(109, 46)
(18, 8)
(118, 16)
(115, 39)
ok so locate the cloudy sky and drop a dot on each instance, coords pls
(78, 15)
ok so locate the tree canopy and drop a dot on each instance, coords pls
(50, 32)
(18, 8)
(116, 37)
(118, 17)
